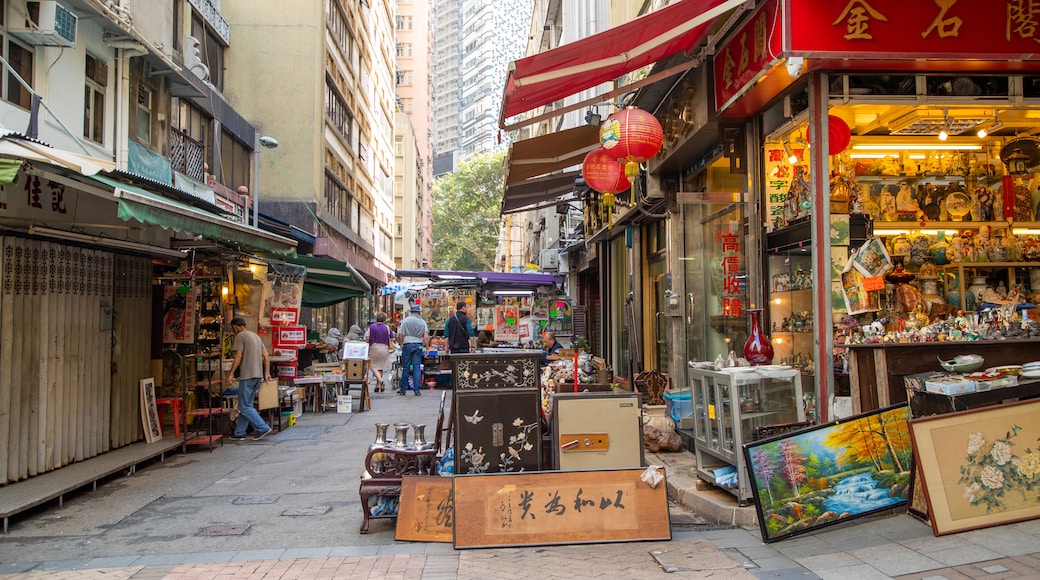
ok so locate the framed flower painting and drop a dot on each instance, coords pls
(981, 467)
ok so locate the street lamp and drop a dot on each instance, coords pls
(267, 143)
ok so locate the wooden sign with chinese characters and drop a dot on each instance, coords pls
(427, 511)
(1004, 29)
(747, 54)
(558, 507)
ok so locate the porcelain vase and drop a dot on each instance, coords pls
(758, 350)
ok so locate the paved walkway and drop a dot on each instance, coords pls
(263, 496)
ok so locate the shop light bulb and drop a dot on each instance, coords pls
(982, 133)
(791, 157)
(943, 135)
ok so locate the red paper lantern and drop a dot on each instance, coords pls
(603, 173)
(631, 136)
(839, 135)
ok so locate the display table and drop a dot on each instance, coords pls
(876, 371)
(923, 403)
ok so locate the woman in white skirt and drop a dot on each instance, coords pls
(379, 336)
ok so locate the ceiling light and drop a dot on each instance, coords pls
(944, 133)
(791, 157)
(917, 147)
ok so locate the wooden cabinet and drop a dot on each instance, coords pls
(729, 406)
(876, 371)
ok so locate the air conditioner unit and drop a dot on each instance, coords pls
(549, 259)
(42, 23)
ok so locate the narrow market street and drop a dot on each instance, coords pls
(287, 507)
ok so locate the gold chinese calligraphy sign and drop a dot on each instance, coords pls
(558, 507)
(426, 512)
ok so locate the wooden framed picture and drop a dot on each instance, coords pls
(149, 411)
(559, 507)
(498, 430)
(822, 475)
(427, 509)
(980, 468)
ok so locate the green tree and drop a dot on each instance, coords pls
(466, 217)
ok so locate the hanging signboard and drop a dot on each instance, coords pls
(179, 313)
(747, 54)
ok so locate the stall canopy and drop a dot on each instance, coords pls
(517, 280)
(531, 162)
(329, 282)
(549, 76)
(154, 209)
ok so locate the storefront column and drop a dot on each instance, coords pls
(821, 234)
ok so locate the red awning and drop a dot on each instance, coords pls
(542, 78)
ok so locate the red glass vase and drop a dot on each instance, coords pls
(758, 350)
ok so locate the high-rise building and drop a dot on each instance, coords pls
(474, 42)
(320, 79)
(414, 79)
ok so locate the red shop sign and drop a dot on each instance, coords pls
(289, 336)
(284, 316)
(747, 54)
(1001, 29)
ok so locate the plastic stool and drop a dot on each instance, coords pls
(176, 406)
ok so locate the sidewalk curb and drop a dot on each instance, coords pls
(686, 489)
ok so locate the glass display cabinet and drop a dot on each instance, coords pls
(728, 407)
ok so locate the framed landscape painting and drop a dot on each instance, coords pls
(981, 467)
(830, 473)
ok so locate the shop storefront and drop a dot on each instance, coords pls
(926, 149)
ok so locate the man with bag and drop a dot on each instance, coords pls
(413, 336)
(459, 330)
(251, 360)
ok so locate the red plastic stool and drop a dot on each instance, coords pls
(176, 405)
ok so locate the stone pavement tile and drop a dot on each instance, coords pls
(859, 572)
(962, 555)
(63, 564)
(90, 574)
(438, 548)
(14, 568)
(391, 549)
(796, 573)
(1002, 540)
(804, 547)
(258, 555)
(936, 544)
(824, 563)
(112, 562)
(895, 559)
(941, 574)
(298, 553)
(1031, 560)
(354, 551)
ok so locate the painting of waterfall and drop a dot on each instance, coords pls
(830, 473)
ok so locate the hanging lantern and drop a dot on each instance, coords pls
(603, 173)
(631, 136)
(839, 135)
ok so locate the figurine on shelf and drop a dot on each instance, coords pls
(888, 206)
(799, 193)
(984, 201)
(983, 242)
(906, 205)
(928, 200)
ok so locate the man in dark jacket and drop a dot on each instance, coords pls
(458, 330)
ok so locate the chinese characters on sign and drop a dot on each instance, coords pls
(427, 509)
(778, 182)
(932, 28)
(747, 54)
(732, 288)
(571, 508)
(857, 17)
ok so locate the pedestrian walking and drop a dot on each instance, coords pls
(253, 364)
(379, 336)
(413, 336)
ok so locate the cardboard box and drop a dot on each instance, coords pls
(353, 370)
(726, 477)
(916, 382)
(950, 385)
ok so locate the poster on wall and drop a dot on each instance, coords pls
(435, 303)
(540, 307)
(507, 319)
(280, 293)
(179, 314)
(561, 317)
(779, 173)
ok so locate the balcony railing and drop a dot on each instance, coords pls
(187, 155)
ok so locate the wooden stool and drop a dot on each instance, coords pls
(177, 406)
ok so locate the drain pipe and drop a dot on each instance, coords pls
(125, 50)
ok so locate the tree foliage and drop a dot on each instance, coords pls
(466, 219)
(792, 465)
(882, 441)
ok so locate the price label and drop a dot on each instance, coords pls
(874, 283)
